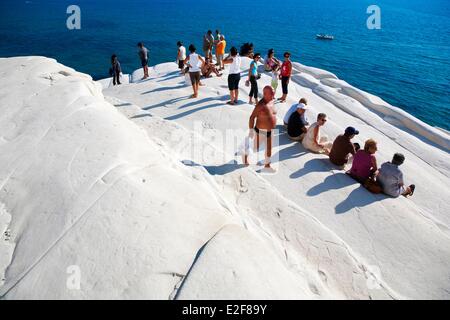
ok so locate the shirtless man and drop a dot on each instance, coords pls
(265, 116)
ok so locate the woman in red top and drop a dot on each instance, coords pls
(285, 76)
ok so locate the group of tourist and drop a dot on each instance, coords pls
(388, 178)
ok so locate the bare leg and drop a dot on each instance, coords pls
(257, 142)
(246, 160)
(268, 152)
(231, 97)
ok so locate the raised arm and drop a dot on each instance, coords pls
(228, 60)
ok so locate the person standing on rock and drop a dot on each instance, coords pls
(195, 62)
(115, 70)
(253, 77)
(234, 76)
(218, 38)
(208, 43)
(261, 123)
(285, 76)
(143, 55)
(220, 52)
(181, 56)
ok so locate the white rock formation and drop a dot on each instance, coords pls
(138, 194)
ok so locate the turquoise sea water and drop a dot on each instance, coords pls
(407, 62)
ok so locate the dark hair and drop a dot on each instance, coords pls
(256, 55)
(304, 101)
(179, 43)
(209, 32)
(192, 48)
(321, 116)
(140, 44)
(217, 31)
(233, 51)
(398, 159)
(271, 51)
(287, 54)
(246, 49)
(113, 57)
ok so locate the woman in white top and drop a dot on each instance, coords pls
(181, 56)
(195, 62)
(234, 75)
(313, 140)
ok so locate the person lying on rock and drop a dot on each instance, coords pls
(390, 177)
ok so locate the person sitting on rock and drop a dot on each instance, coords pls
(343, 147)
(297, 123)
(364, 164)
(208, 68)
(390, 177)
(301, 104)
(313, 139)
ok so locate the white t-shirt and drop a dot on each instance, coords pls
(291, 110)
(182, 52)
(194, 62)
(235, 67)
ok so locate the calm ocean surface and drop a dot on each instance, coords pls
(407, 62)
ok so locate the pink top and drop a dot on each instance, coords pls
(362, 165)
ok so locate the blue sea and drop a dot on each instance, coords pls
(406, 62)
